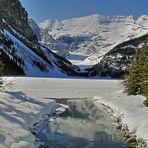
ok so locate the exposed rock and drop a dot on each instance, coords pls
(35, 28)
(119, 126)
(0, 20)
(131, 140)
(146, 102)
(16, 16)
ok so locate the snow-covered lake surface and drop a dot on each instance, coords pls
(29, 99)
(44, 88)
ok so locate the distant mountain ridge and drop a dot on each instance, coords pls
(89, 24)
(116, 62)
(83, 25)
(95, 35)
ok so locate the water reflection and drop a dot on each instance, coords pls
(84, 126)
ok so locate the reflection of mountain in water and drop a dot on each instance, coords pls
(84, 125)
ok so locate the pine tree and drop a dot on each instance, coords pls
(145, 73)
(133, 80)
(145, 79)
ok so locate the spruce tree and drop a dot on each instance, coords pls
(136, 81)
(145, 73)
(133, 80)
(145, 79)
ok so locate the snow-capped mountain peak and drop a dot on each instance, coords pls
(143, 21)
(50, 24)
(82, 25)
(95, 35)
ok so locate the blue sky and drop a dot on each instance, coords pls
(40, 10)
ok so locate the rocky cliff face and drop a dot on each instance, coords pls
(16, 16)
(35, 28)
(0, 22)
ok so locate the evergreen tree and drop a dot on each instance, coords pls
(136, 81)
(145, 74)
(133, 82)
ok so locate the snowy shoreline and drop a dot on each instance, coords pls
(18, 116)
(27, 101)
(130, 116)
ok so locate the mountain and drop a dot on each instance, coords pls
(95, 35)
(21, 52)
(47, 40)
(116, 62)
(105, 45)
(17, 17)
(35, 28)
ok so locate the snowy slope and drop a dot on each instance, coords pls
(130, 110)
(47, 40)
(84, 25)
(19, 113)
(103, 33)
(115, 63)
(36, 60)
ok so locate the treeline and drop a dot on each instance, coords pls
(10, 63)
(136, 82)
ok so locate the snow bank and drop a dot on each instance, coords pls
(18, 114)
(130, 109)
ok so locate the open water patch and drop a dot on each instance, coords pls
(83, 125)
